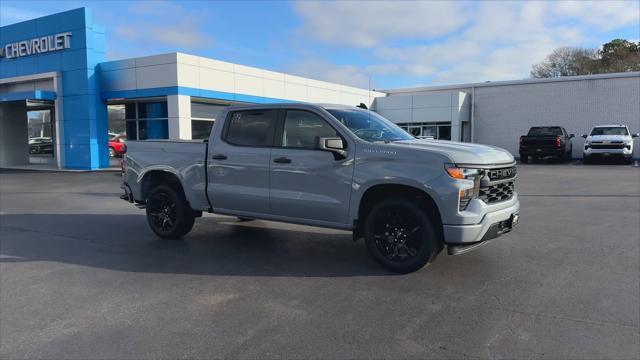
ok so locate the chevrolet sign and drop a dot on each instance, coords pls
(35, 46)
(499, 174)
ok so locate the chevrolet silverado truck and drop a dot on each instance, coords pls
(545, 141)
(330, 166)
(609, 141)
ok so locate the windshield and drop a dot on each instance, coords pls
(369, 126)
(610, 130)
(545, 131)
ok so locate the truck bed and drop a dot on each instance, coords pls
(183, 158)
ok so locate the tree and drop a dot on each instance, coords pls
(617, 55)
(620, 55)
(567, 61)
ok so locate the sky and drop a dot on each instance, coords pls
(382, 44)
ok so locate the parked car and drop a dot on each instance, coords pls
(40, 145)
(330, 166)
(609, 141)
(116, 144)
(545, 141)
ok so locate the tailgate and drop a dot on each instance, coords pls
(539, 141)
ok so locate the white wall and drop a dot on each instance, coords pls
(504, 111)
(199, 73)
(177, 69)
(420, 107)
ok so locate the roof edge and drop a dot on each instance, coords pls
(629, 74)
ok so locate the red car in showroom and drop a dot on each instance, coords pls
(116, 144)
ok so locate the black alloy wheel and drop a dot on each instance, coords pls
(401, 236)
(168, 213)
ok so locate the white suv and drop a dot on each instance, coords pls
(609, 140)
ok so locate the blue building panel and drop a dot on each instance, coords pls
(84, 120)
(49, 62)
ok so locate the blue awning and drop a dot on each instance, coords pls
(28, 95)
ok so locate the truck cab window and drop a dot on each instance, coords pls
(251, 128)
(303, 129)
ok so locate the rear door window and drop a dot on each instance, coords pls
(251, 128)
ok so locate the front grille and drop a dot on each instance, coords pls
(501, 174)
(498, 192)
(608, 146)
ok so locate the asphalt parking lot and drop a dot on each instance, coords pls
(81, 276)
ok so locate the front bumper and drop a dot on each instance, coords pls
(492, 225)
(606, 152)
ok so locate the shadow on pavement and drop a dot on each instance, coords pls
(216, 246)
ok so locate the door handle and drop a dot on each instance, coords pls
(219, 157)
(282, 160)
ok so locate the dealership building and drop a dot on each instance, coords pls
(61, 101)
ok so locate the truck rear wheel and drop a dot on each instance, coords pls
(401, 236)
(524, 159)
(168, 213)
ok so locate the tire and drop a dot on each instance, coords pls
(400, 236)
(112, 152)
(524, 159)
(586, 159)
(168, 213)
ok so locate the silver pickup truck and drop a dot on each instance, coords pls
(331, 166)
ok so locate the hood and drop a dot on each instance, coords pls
(461, 153)
(608, 138)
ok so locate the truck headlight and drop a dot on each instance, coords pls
(472, 177)
(461, 172)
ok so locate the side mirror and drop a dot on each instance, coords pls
(635, 135)
(571, 136)
(333, 144)
(584, 136)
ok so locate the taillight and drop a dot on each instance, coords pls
(558, 141)
(520, 140)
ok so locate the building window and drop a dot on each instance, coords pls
(143, 120)
(439, 131)
(117, 123)
(203, 115)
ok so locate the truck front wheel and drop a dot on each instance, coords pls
(168, 213)
(400, 235)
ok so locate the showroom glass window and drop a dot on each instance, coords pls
(146, 120)
(438, 130)
(203, 115)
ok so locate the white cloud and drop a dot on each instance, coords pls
(605, 15)
(11, 15)
(353, 75)
(323, 70)
(168, 24)
(500, 41)
(368, 23)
